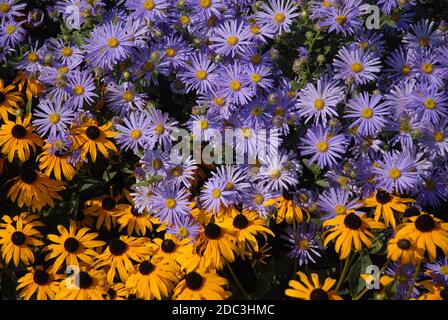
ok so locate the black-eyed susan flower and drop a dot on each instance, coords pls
(71, 246)
(246, 226)
(351, 231)
(117, 291)
(259, 257)
(121, 254)
(10, 100)
(152, 279)
(18, 236)
(169, 249)
(38, 280)
(428, 233)
(385, 203)
(18, 137)
(90, 137)
(84, 284)
(435, 292)
(287, 208)
(404, 249)
(200, 285)
(133, 220)
(32, 86)
(216, 245)
(106, 210)
(34, 189)
(312, 290)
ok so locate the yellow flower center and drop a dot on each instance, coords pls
(149, 66)
(275, 174)
(78, 90)
(363, 45)
(229, 186)
(135, 134)
(170, 203)
(201, 74)
(149, 5)
(279, 17)
(156, 164)
(33, 57)
(159, 129)
(232, 40)
(342, 180)
(326, 4)
(66, 51)
(367, 113)
(429, 103)
(219, 101)
(182, 232)
(255, 77)
(112, 42)
(322, 146)
(255, 59)
(255, 29)
(63, 70)
(341, 20)
(424, 42)
(203, 124)
(205, 3)
(340, 209)
(184, 20)
(128, 96)
(59, 144)
(304, 244)
(216, 193)
(357, 67)
(246, 132)
(176, 171)
(258, 198)
(256, 111)
(394, 173)
(279, 112)
(212, 21)
(170, 52)
(235, 85)
(438, 136)
(405, 70)
(444, 270)
(427, 68)
(319, 104)
(54, 118)
(5, 7)
(10, 29)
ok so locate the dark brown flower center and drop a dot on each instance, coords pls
(117, 247)
(240, 221)
(287, 195)
(18, 238)
(135, 212)
(444, 294)
(71, 244)
(212, 231)
(18, 131)
(193, 280)
(112, 293)
(318, 294)
(145, 268)
(411, 212)
(28, 175)
(425, 223)
(41, 277)
(2, 97)
(108, 203)
(404, 244)
(84, 280)
(168, 246)
(352, 221)
(92, 132)
(382, 197)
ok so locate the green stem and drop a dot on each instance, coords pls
(238, 283)
(417, 270)
(344, 272)
(363, 292)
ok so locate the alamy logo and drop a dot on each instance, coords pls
(73, 17)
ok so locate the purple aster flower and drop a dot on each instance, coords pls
(60, 143)
(399, 64)
(404, 128)
(231, 38)
(233, 84)
(236, 180)
(182, 170)
(203, 127)
(433, 189)
(259, 33)
(277, 15)
(122, 98)
(324, 147)
(143, 197)
(170, 203)
(255, 197)
(337, 202)
(423, 35)
(186, 227)
(175, 50)
(82, 88)
(430, 104)
(438, 271)
(31, 63)
(258, 76)
(161, 127)
(206, 8)
(108, 45)
(344, 18)
(66, 54)
(11, 33)
(370, 113)
(134, 134)
(318, 102)
(399, 98)
(435, 138)
(302, 243)
(426, 67)
(35, 17)
(214, 196)
(51, 118)
(443, 59)
(10, 9)
(356, 66)
(199, 74)
(397, 172)
(149, 10)
(57, 84)
(254, 114)
(279, 172)
(218, 103)
(155, 163)
(404, 275)
(147, 63)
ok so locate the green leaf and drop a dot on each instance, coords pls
(322, 183)
(28, 106)
(78, 38)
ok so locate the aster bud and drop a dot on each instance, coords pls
(275, 54)
(376, 92)
(297, 66)
(126, 75)
(304, 13)
(196, 42)
(320, 58)
(158, 33)
(154, 56)
(333, 122)
(195, 110)
(309, 35)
